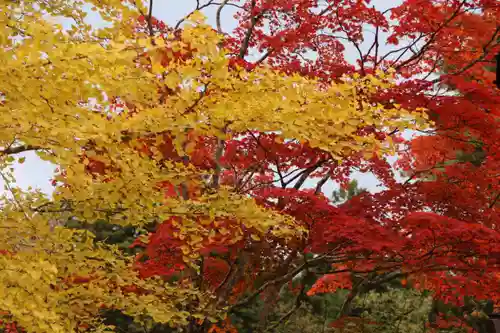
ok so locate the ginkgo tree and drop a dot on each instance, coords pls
(171, 131)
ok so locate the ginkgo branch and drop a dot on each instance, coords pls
(14, 196)
(218, 166)
(18, 149)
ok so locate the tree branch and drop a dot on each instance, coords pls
(276, 160)
(264, 57)
(320, 184)
(290, 275)
(298, 304)
(307, 173)
(218, 167)
(198, 7)
(14, 197)
(150, 18)
(484, 55)
(432, 37)
(353, 42)
(218, 15)
(492, 204)
(18, 149)
(256, 293)
(248, 34)
(375, 45)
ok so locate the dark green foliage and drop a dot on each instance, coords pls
(122, 236)
(344, 194)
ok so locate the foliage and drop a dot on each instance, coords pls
(395, 311)
(172, 135)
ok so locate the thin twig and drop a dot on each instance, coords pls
(198, 7)
(493, 203)
(297, 305)
(431, 39)
(484, 55)
(283, 278)
(11, 190)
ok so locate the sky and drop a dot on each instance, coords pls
(36, 173)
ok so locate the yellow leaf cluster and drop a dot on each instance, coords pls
(54, 279)
(225, 205)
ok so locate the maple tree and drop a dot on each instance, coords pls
(203, 142)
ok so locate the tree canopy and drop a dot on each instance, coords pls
(192, 162)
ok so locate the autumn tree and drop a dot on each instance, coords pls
(215, 148)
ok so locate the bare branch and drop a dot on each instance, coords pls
(248, 34)
(276, 160)
(203, 93)
(264, 57)
(376, 44)
(287, 277)
(404, 48)
(320, 184)
(325, 10)
(301, 173)
(306, 174)
(353, 42)
(226, 278)
(218, 15)
(198, 7)
(150, 18)
(431, 71)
